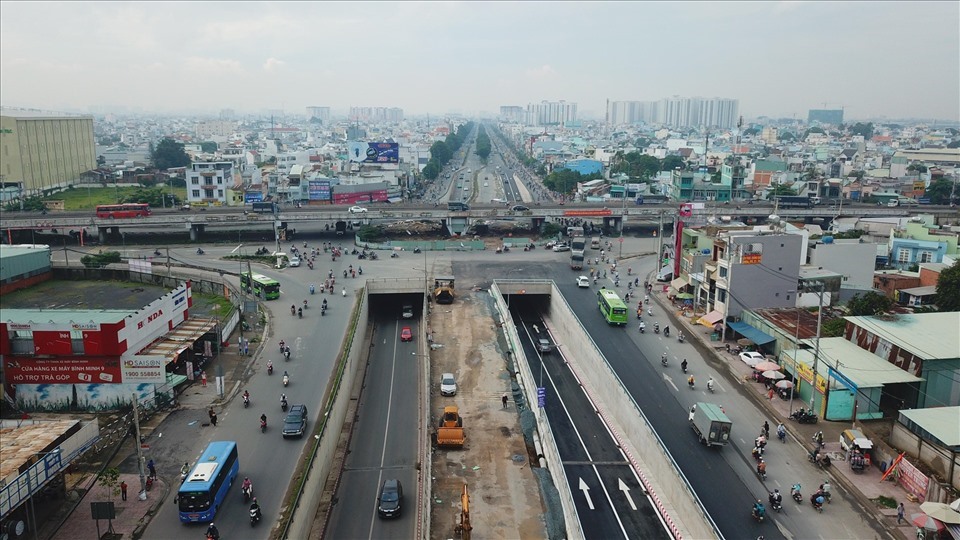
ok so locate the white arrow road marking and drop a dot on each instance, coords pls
(586, 493)
(670, 382)
(626, 493)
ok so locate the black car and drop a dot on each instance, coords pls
(391, 496)
(519, 208)
(296, 421)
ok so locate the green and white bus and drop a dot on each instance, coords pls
(261, 286)
(612, 307)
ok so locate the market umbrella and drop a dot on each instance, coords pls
(774, 375)
(684, 296)
(743, 342)
(941, 512)
(784, 384)
(767, 366)
(926, 522)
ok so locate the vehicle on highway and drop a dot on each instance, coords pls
(407, 311)
(561, 247)
(296, 421)
(390, 499)
(448, 385)
(519, 208)
(205, 488)
(456, 206)
(120, 211)
(752, 358)
(294, 261)
(260, 285)
(357, 210)
(543, 345)
(583, 282)
(612, 307)
(406, 334)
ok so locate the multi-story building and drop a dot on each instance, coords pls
(320, 113)
(215, 128)
(825, 116)
(676, 111)
(853, 259)
(376, 114)
(511, 113)
(551, 113)
(208, 182)
(755, 270)
(44, 151)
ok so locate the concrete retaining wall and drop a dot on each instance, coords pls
(668, 488)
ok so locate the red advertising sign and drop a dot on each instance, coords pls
(53, 343)
(62, 371)
(588, 213)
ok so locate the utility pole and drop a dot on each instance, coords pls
(816, 347)
(136, 424)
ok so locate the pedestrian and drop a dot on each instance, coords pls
(123, 492)
(152, 467)
(766, 429)
(770, 393)
(213, 417)
(900, 511)
(504, 401)
(203, 378)
(246, 347)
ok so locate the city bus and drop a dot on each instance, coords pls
(128, 210)
(792, 201)
(262, 286)
(612, 307)
(203, 491)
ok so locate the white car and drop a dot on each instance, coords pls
(448, 385)
(561, 247)
(294, 261)
(752, 358)
(358, 210)
(583, 282)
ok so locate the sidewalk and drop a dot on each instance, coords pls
(865, 486)
(132, 514)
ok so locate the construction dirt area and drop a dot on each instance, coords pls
(505, 495)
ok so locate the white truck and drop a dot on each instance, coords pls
(710, 424)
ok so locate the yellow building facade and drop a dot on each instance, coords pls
(42, 151)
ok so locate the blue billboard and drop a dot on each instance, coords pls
(319, 190)
(252, 197)
(382, 152)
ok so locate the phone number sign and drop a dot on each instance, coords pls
(62, 371)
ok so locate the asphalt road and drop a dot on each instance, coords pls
(384, 443)
(608, 494)
(267, 458)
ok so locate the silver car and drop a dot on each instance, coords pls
(448, 385)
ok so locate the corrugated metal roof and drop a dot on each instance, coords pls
(862, 367)
(927, 335)
(941, 422)
(921, 291)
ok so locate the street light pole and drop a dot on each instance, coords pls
(816, 349)
(136, 424)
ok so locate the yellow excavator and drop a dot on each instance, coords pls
(463, 528)
(443, 289)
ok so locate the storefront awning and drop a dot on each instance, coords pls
(678, 283)
(711, 318)
(751, 333)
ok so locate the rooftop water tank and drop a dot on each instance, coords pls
(827, 239)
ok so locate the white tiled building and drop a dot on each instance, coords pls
(208, 182)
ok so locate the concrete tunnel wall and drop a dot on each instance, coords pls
(628, 423)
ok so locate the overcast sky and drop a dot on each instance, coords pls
(892, 59)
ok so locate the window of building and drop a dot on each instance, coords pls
(723, 271)
(21, 342)
(195, 194)
(195, 181)
(219, 194)
(926, 256)
(903, 255)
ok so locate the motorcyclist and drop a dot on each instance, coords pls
(683, 365)
(312, 289)
(663, 358)
(293, 309)
(263, 418)
(758, 509)
(269, 366)
(247, 486)
(643, 326)
(282, 344)
(710, 384)
(781, 431)
(246, 396)
(775, 498)
(300, 312)
(360, 270)
(762, 468)
(286, 378)
(795, 489)
(213, 532)
(283, 401)
(344, 292)
(666, 331)
(690, 381)
(825, 488)
(255, 507)
(185, 470)
(304, 304)
(199, 251)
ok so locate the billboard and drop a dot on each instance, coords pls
(143, 369)
(252, 196)
(62, 371)
(319, 190)
(363, 152)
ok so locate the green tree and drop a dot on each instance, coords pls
(939, 191)
(110, 479)
(786, 136)
(169, 154)
(814, 129)
(833, 327)
(781, 189)
(440, 152)
(208, 147)
(869, 303)
(672, 162)
(100, 260)
(862, 129)
(917, 167)
(30, 204)
(948, 289)
(565, 180)
(431, 171)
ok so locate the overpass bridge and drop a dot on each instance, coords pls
(611, 217)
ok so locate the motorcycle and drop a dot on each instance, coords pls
(247, 493)
(416, 250)
(300, 312)
(286, 355)
(642, 328)
(270, 368)
(157, 253)
(656, 329)
(710, 384)
(795, 493)
(680, 337)
(263, 425)
(816, 500)
(293, 310)
(304, 305)
(254, 516)
(283, 405)
(246, 401)
(683, 365)
(323, 310)
(200, 251)
(394, 255)
(804, 417)
(821, 460)
(286, 380)
(311, 288)
(775, 504)
(691, 383)
(758, 513)
(666, 332)
(663, 360)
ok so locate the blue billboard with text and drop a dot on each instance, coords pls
(374, 152)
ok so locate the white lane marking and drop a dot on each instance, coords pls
(586, 493)
(670, 382)
(626, 493)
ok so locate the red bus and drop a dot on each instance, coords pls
(128, 210)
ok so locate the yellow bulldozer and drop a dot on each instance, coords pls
(443, 289)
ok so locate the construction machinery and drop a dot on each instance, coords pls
(450, 433)
(463, 528)
(443, 292)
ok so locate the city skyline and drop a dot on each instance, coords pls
(778, 59)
